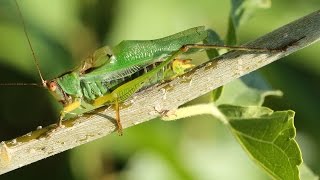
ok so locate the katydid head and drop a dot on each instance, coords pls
(56, 91)
(65, 87)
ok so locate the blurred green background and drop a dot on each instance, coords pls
(64, 32)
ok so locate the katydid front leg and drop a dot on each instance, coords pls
(68, 109)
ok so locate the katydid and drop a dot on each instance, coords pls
(106, 77)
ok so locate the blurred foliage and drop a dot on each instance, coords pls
(63, 32)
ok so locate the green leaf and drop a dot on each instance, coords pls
(213, 38)
(306, 173)
(268, 137)
(241, 11)
(215, 94)
(249, 90)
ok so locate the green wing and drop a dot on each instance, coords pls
(131, 55)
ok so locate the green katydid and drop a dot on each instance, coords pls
(105, 78)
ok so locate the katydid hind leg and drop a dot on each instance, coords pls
(117, 108)
(213, 42)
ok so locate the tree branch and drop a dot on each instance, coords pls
(149, 103)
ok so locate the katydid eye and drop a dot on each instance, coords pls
(52, 86)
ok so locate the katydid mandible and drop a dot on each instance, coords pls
(107, 76)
